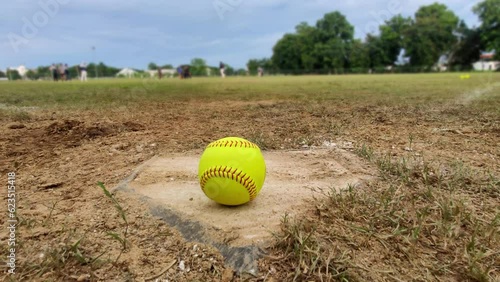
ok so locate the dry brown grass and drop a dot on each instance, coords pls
(419, 221)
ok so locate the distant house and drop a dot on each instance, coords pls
(209, 71)
(164, 72)
(22, 70)
(442, 64)
(486, 63)
(126, 72)
(442, 67)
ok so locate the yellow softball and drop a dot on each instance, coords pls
(232, 171)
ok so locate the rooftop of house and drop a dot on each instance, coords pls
(487, 55)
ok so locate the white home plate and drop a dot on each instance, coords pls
(293, 178)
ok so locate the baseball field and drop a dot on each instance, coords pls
(420, 156)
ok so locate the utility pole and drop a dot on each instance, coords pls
(95, 63)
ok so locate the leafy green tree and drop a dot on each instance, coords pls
(358, 59)
(489, 13)
(13, 75)
(254, 64)
(334, 38)
(152, 66)
(230, 71)
(74, 72)
(391, 38)
(267, 64)
(91, 70)
(431, 34)
(334, 25)
(32, 75)
(329, 46)
(167, 66)
(106, 71)
(102, 69)
(468, 48)
(308, 37)
(332, 56)
(377, 55)
(420, 48)
(287, 54)
(198, 67)
(2, 74)
(324, 47)
(44, 72)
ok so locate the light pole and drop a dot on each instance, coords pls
(95, 63)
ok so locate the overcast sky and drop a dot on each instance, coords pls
(133, 33)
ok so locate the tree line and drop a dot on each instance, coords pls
(44, 72)
(198, 67)
(410, 44)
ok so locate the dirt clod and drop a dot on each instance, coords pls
(62, 127)
(16, 125)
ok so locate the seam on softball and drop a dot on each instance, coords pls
(232, 173)
(233, 143)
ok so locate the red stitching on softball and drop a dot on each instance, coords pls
(235, 174)
(231, 143)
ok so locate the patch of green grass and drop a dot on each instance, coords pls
(365, 152)
(17, 115)
(121, 238)
(385, 89)
(309, 257)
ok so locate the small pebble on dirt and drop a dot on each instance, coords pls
(83, 277)
(120, 146)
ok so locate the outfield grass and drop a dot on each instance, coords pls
(384, 89)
